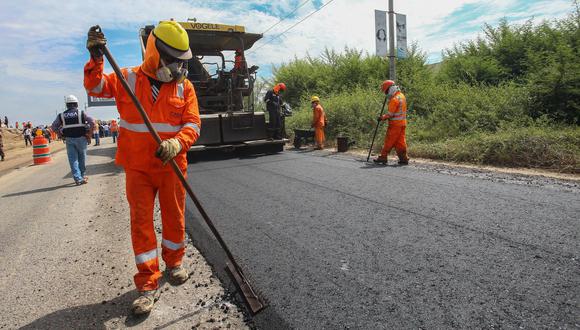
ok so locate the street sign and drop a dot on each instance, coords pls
(100, 102)
(401, 36)
(381, 33)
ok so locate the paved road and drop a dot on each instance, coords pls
(332, 243)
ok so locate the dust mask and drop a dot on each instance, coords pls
(171, 72)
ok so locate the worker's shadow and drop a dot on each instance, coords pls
(94, 316)
(303, 150)
(96, 169)
(103, 151)
(371, 166)
(41, 190)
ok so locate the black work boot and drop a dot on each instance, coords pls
(403, 158)
(381, 160)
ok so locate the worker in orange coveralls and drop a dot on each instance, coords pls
(397, 117)
(170, 101)
(318, 122)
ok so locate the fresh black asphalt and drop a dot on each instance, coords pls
(333, 243)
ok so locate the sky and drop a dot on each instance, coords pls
(42, 51)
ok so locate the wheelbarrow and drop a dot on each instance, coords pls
(303, 136)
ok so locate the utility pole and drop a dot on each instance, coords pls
(392, 72)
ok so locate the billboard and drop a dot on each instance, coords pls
(381, 33)
(100, 102)
(401, 35)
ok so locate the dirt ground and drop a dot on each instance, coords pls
(17, 154)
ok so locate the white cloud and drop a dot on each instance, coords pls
(43, 39)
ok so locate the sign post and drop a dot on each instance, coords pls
(392, 71)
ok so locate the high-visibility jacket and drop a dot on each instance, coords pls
(318, 117)
(73, 123)
(174, 114)
(114, 126)
(397, 110)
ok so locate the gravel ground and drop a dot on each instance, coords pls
(68, 261)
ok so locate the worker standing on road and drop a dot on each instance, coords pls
(318, 122)
(73, 125)
(273, 103)
(170, 101)
(397, 117)
(96, 133)
(114, 130)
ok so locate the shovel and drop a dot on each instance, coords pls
(254, 302)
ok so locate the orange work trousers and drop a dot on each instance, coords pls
(395, 138)
(319, 136)
(142, 187)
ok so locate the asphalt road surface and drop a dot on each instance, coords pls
(332, 243)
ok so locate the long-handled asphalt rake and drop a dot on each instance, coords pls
(254, 302)
(377, 128)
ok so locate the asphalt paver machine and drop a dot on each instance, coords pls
(224, 88)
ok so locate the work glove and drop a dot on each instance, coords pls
(168, 149)
(95, 41)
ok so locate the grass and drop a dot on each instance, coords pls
(555, 149)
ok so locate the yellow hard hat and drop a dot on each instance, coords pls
(173, 40)
(314, 98)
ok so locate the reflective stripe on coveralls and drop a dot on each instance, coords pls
(172, 245)
(146, 256)
(159, 127)
(99, 87)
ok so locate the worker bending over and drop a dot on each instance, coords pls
(318, 122)
(397, 117)
(170, 101)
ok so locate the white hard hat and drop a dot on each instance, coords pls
(70, 99)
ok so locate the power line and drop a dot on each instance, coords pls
(285, 17)
(293, 26)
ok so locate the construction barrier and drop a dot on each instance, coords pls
(40, 150)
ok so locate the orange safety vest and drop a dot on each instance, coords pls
(319, 118)
(398, 110)
(114, 126)
(175, 113)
